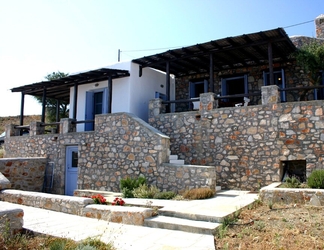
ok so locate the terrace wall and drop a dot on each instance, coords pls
(121, 146)
(246, 145)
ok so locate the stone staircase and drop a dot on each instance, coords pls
(174, 160)
(183, 222)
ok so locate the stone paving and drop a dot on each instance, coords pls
(126, 237)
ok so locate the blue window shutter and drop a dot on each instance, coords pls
(105, 101)
(89, 111)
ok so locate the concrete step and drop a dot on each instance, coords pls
(178, 162)
(173, 157)
(215, 217)
(185, 225)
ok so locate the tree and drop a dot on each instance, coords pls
(51, 103)
(311, 58)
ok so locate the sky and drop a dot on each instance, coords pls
(39, 37)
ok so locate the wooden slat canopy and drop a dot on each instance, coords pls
(228, 53)
(60, 88)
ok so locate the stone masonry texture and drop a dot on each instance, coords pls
(24, 173)
(246, 145)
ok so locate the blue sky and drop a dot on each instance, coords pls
(42, 36)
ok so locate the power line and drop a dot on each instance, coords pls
(298, 24)
(166, 48)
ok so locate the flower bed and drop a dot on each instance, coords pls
(309, 196)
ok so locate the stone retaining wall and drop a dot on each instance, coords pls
(11, 221)
(24, 173)
(309, 196)
(121, 146)
(68, 204)
(247, 145)
(58, 203)
(182, 177)
(118, 214)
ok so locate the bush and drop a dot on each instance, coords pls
(145, 191)
(292, 183)
(198, 193)
(128, 185)
(316, 179)
(165, 195)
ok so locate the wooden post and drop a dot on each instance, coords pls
(22, 104)
(75, 100)
(57, 110)
(270, 58)
(211, 73)
(43, 104)
(109, 97)
(167, 90)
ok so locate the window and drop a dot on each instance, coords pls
(319, 93)
(279, 80)
(197, 88)
(234, 86)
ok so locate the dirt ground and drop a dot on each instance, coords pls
(273, 226)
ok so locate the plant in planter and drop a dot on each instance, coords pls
(99, 199)
(118, 202)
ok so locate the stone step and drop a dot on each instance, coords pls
(215, 217)
(179, 162)
(173, 157)
(185, 225)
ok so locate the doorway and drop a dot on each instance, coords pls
(71, 169)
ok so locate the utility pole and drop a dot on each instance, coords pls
(119, 55)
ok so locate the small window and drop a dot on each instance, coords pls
(234, 86)
(197, 88)
(278, 79)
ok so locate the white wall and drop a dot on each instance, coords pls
(130, 94)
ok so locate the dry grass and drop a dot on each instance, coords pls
(16, 120)
(198, 193)
(27, 241)
(282, 227)
(2, 151)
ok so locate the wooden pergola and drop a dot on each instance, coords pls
(60, 89)
(261, 48)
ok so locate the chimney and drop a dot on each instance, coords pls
(319, 24)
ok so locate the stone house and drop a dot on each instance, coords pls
(250, 126)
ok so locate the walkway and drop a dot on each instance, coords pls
(125, 237)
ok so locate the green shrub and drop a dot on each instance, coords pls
(165, 195)
(292, 182)
(145, 191)
(316, 179)
(128, 185)
(198, 193)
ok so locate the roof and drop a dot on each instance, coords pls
(228, 53)
(60, 88)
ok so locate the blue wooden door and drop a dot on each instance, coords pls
(71, 169)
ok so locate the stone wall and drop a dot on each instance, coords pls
(58, 203)
(121, 146)
(24, 173)
(180, 178)
(294, 77)
(246, 145)
(11, 221)
(309, 196)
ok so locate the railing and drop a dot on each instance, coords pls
(54, 127)
(291, 94)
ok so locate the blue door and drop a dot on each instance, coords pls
(96, 103)
(71, 169)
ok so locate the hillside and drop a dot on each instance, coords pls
(16, 120)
